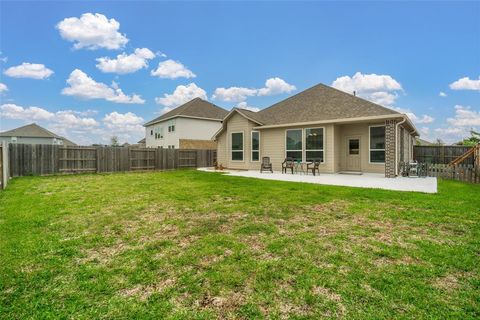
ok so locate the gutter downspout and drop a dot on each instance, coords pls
(397, 143)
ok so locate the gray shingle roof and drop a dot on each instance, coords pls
(319, 103)
(33, 130)
(30, 130)
(194, 108)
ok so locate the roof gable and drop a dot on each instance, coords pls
(30, 130)
(196, 108)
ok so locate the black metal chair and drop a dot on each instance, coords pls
(288, 163)
(266, 165)
(314, 166)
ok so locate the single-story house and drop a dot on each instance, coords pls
(189, 126)
(33, 134)
(342, 131)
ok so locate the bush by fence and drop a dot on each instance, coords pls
(440, 154)
(27, 159)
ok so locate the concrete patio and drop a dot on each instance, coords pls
(366, 180)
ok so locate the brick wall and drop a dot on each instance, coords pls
(390, 145)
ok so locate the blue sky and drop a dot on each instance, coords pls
(247, 54)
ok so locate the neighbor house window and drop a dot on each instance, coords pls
(294, 144)
(255, 146)
(159, 133)
(171, 126)
(151, 132)
(237, 146)
(14, 139)
(377, 144)
(314, 144)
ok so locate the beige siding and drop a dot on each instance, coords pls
(361, 130)
(236, 123)
(222, 149)
(272, 144)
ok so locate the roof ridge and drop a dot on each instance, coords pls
(291, 97)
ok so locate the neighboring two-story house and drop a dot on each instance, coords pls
(189, 126)
(33, 134)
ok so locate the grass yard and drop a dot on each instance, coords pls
(197, 245)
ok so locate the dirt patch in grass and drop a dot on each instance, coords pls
(451, 282)
(337, 206)
(143, 292)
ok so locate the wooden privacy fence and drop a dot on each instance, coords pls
(440, 154)
(465, 172)
(27, 159)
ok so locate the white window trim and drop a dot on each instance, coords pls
(243, 146)
(285, 142)
(323, 142)
(251, 146)
(304, 144)
(369, 145)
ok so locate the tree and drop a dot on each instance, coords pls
(473, 140)
(114, 141)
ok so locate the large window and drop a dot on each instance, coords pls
(255, 146)
(314, 144)
(294, 144)
(377, 144)
(237, 146)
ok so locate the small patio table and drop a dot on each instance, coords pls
(301, 167)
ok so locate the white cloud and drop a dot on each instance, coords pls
(165, 110)
(3, 88)
(170, 69)
(233, 94)
(466, 84)
(13, 111)
(244, 105)
(29, 70)
(459, 126)
(424, 119)
(64, 118)
(92, 31)
(126, 63)
(70, 119)
(275, 86)
(442, 94)
(238, 94)
(84, 87)
(380, 97)
(465, 117)
(79, 126)
(181, 95)
(381, 89)
(424, 131)
(124, 125)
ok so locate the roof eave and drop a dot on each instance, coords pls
(228, 116)
(339, 120)
(180, 116)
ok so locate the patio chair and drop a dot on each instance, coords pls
(266, 165)
(314, 166)
(288, 163)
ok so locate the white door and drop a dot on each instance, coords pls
(353, 154)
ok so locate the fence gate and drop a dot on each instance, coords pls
(187, 158)
(77, 159)
(142, 159)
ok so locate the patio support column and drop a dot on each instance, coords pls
(390, 146)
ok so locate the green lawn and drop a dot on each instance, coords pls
(188, 244)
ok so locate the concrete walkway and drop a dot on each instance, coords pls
(366, 180)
